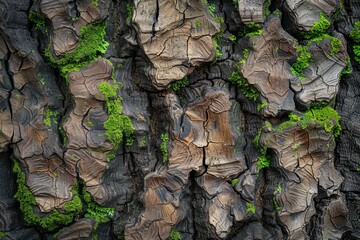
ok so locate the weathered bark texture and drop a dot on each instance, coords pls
(179, 119)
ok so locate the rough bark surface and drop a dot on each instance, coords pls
(179, 119)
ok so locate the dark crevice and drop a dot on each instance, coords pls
(155, 19)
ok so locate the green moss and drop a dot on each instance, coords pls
(95, 211)
(262, 162)
(356, 49)
(261, 105)
(296, 147)
(249, 91)
(99, 213)
(250, 208)
(219, 20)
(253, 30)
(50, 116)
(27, 201)
(216, 40)
(318, 28)
(3, 234)
(245, 56)
(355, 36)
(95, 2)
(302, 62)
(198, 23)
(40, 78)
(276, 204)
(37, 19)
(335, 46)
(279, 189)
(212, 9)
(355, 33)
(75, 205)
(336, 14)
(234, 182)
(118, 125)
(129, 11)
(63, 136)
(267, 7)
(142, 142)
(277, 12)
(347, 69)
(177, 85)
(109, 91)
(304, 59)
(164, 146)
(256, 142)
(335, 43)
(91, 46)
(232, 38)
(325, 116)
(174, 235)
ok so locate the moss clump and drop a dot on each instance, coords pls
(216, 40)
(27, 201)
(55, 219)
(325, 116)
(98, 213)
(250, 208)
(234, 182)
(263, 161)
(75, 205)
(212, 9)
(302, 62)
(267, 7)
(37, 19)
(338, 11)
(50, 117)
(117, 125)
(91, 45)
(276, 205)
(249, 91)
(261, 105)
(63, 136)
(3, 234)
(355, 33)
(277, 12)
(245, 56)
(177, 85)
(296, 147)
(232, 38)
(251, 30)
(279, 189)
(197, 23)
(142, 142)
(164, 146)
(304, 59)
(95, 2)
(318, 28)
(335, 43)
(93, 210)
(129, 11)
(355, 36)
(347, 69)
(174, 235)
(335, 46)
